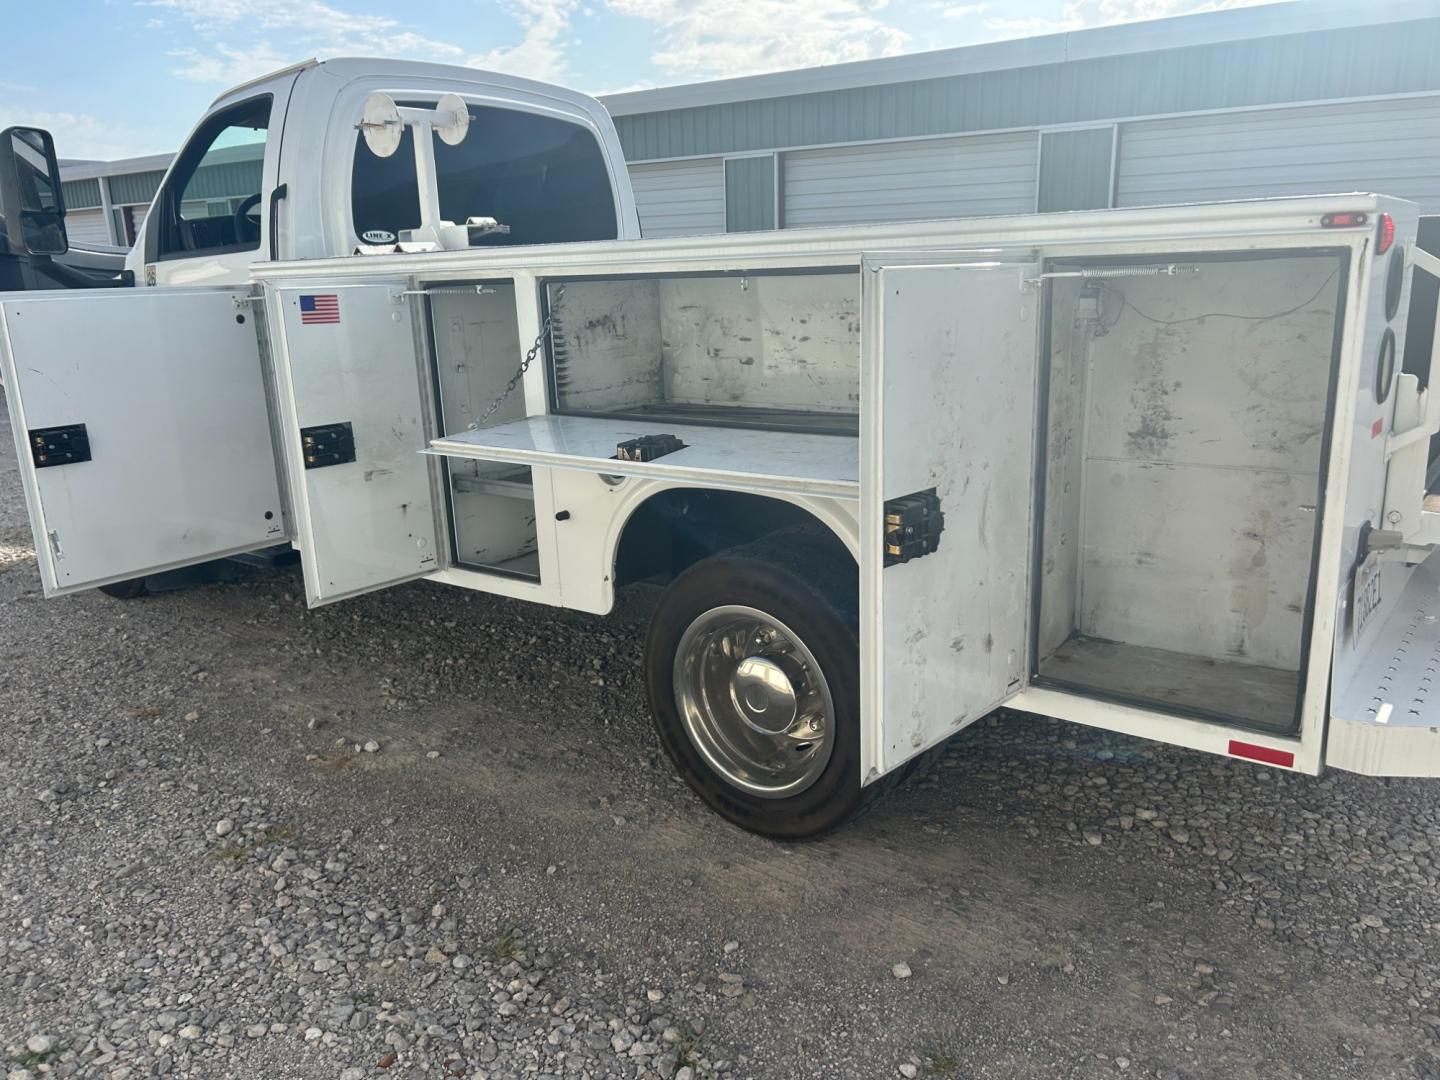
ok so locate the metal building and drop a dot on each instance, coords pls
(1278, 100)
(1290, 98)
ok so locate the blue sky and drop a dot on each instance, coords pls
(114, 78)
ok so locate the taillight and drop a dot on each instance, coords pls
(1384, 234)
(1344, 220)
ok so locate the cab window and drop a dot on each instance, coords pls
(544, 178)
(211, 201)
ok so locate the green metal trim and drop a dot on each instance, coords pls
(1075, 169)
(1319, 65)
(750, 194)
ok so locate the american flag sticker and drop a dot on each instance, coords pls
(319, 308)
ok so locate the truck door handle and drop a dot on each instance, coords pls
(281, 190)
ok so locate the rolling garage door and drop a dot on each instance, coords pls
(680, 198)
(87, 228)
(927, 178)
(1389, 147)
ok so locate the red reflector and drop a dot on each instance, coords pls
(1385, 236)
(1377, 427)
(1261, 753)
(1347, 220)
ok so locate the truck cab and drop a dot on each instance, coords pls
(544, 162)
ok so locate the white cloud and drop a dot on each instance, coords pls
(720, 38)
(236, 36)
(1081, 14)
(227, 66)
(540, 53)
(81, 135)
(960, 11)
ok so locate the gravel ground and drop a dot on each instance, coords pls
(429, 833)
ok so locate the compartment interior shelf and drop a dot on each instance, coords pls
(779, 461)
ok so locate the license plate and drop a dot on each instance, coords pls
(1365, 594)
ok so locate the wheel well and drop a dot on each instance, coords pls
(675, 529)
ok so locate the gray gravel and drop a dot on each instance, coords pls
(427, 833)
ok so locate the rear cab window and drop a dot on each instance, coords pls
(545, 178)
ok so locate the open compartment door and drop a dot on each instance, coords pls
(947, 437)
(142, 430)
(354, 428)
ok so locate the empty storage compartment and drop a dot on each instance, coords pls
(772, 350)
(477, 350)
(1186, 423)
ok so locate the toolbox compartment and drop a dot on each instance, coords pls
(1185, 424)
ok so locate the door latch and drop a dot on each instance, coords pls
(327, 444)
(913, 524)
(59, 445)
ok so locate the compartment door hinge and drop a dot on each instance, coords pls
(913, 524)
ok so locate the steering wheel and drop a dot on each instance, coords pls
(247, 228)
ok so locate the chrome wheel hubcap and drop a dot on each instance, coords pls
(754, 701)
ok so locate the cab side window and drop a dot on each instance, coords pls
(212, 200)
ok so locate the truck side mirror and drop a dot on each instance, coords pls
(31, 202)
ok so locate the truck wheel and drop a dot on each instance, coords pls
(125, 590)
(752, 669)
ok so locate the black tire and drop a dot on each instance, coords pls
(125, 590)
(802, 581)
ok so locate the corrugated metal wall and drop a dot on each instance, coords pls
(80, 193)
(1363, 61)
(86, 227)
(1392, 147)
(975, 175)
(680, 198)
(130, 188)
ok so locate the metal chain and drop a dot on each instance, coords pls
(530, 355)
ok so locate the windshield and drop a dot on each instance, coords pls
(544, 178)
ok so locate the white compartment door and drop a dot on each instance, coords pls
(354, 430)
(947, 411)
(142, 430)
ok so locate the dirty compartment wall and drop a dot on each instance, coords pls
(1184, 451)
(771, 341)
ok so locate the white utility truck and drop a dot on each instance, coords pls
(1150, 470)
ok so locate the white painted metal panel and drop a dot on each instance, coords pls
(948, 403)
(370, 522)
(1384, 721)
(1391, 147)
(169, 386)
(747, 459)
(680, 198)
(86, 227)
(926, 178)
